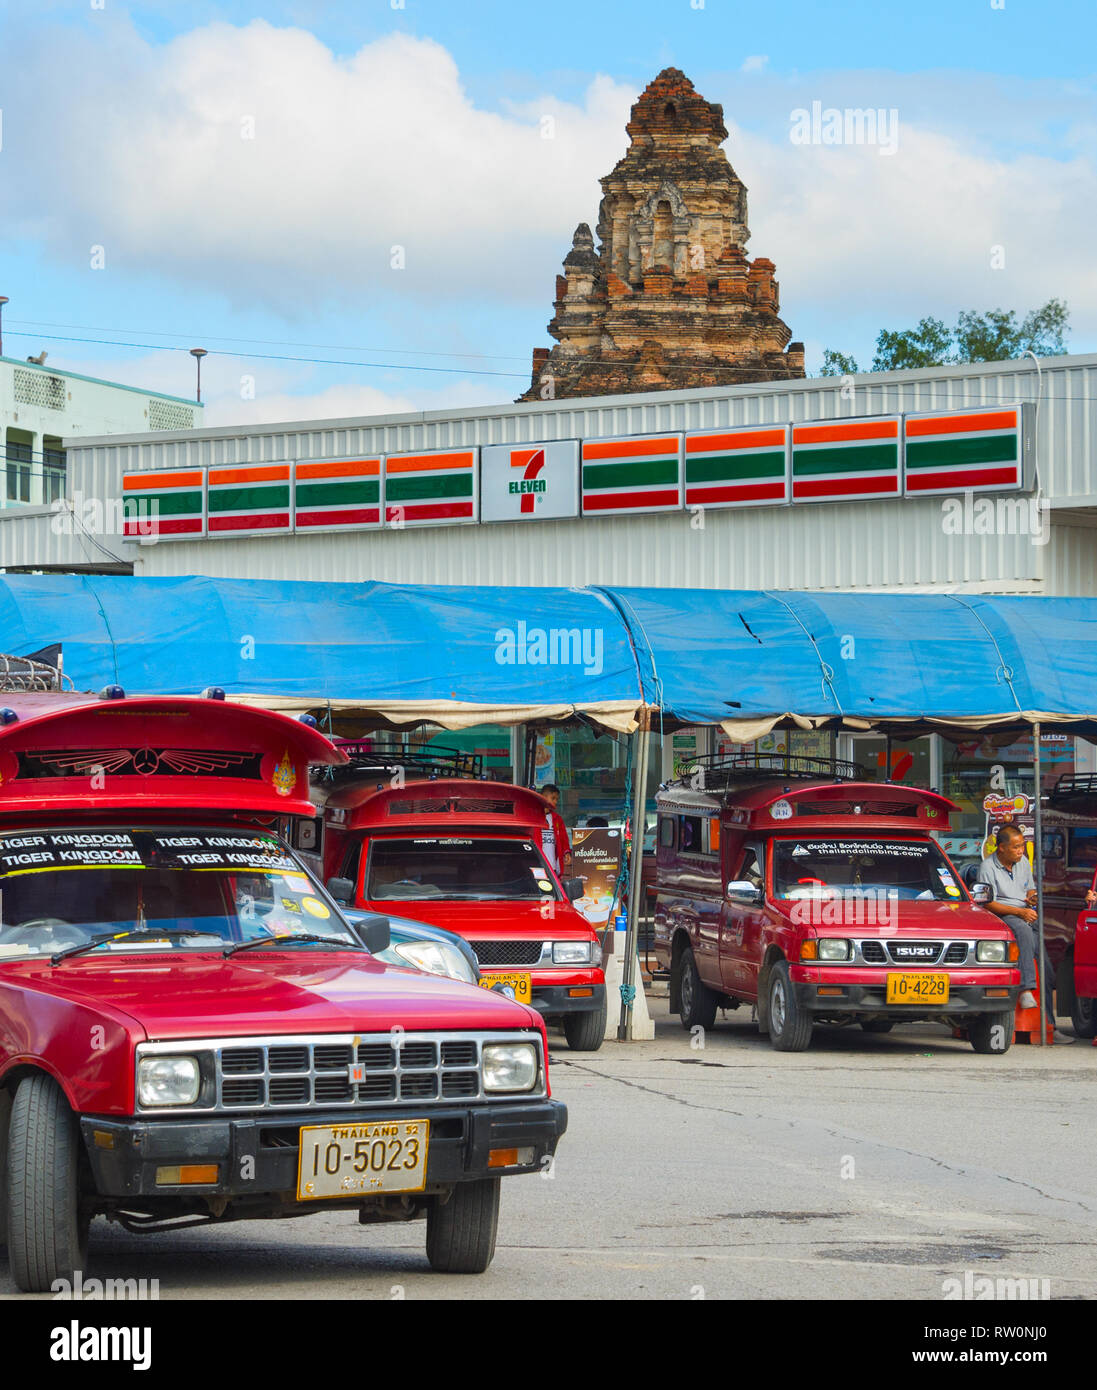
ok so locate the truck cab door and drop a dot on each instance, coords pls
(740, 924)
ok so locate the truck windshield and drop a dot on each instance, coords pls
(470, 869)
(61, 888)
(907, 870)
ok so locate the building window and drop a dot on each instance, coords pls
(18, 472)
(53, 475)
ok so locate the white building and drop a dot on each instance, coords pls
(42, 410)
(315, 511)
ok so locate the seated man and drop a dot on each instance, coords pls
(1013, 896)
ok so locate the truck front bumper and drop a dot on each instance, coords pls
(258, 1154)
(862, 991)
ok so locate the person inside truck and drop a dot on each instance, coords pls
(1013, 898)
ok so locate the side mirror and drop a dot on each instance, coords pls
(980, 893)
(374, 929)
(743, 891)
(573, 888)
(342, 890)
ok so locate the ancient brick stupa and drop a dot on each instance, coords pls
(669, 299)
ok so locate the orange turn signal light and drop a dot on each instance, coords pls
(809, 950)
(1013, 951)
(187, 1173)
(996, 993)
(580, 993)
(502, 1158)
(831, 990)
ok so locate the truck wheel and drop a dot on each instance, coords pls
(991, 1033)
(696, 1002)
(461, 1233)
(877, 1025)
(586, 1032)
(1083, 1015)
(789, 1025)
(47, 1232)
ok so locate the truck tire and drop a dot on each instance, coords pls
(461, 1232)
(696, 1002)
(586, 1032)
(991, 1034)
(46, 1230)
(790, 1026)
(1083, 1015)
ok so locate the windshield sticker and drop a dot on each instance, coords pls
(298, 881)
(896, 849)
(290, 904)
(111, 849)
(544, 885)
(952, 890)
(314, 907)
(799, 852)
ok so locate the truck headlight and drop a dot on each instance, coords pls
(509, 1066)
(834, 948)
(575, 952)
(991, 952)
(436, 958)
(167, 1080)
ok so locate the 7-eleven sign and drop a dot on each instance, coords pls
(529, 482)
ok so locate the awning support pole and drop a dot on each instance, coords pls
(635, 873)
(1038, 867)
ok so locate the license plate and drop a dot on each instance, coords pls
(519, 981)
(917, 988)
(361, 1159)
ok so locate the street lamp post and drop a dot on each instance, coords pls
(198, 354)
(3, 301)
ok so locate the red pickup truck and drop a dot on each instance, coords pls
(467, 855)
(817, 900)
(188, 1026)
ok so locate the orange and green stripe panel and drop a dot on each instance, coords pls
(634, 475)
(964, 449)
(163, 503)
(337, 494)
(248, 498)
(432, 488)
(846, 460)
(737, 468)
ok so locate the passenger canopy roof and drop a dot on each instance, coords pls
(65, 752)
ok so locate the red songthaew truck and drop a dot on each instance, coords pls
(819, 900)
(467, 855)
(188, 1026)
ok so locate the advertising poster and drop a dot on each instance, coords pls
(1000, 808)
(544, 759)
(596, 859)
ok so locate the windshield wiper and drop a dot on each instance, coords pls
(286, 937)
(155, 934)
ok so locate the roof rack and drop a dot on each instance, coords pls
(719, 773)
(1072, 785)
(22, 673)
(433, 761)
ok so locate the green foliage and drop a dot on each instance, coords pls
(995, 336)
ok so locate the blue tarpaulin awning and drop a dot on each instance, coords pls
(458, 655)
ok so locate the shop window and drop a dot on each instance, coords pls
(1054, 844)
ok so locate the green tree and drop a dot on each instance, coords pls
(995, 336)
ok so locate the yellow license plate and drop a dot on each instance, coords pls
(519, 981)
(917, 987)
(360, 1159)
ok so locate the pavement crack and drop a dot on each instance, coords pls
(650, 1090)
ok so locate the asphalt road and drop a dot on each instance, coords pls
(867, 1167)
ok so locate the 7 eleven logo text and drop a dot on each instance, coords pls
(531, 461)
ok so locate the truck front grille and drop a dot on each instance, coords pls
(507, 952)
(325, 1072)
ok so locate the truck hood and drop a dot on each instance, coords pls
(489, 921)
(208, 996)
(944, 920)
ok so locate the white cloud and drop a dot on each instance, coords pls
(755, 63)
(258, 163)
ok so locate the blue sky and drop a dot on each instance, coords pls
(125, 128)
